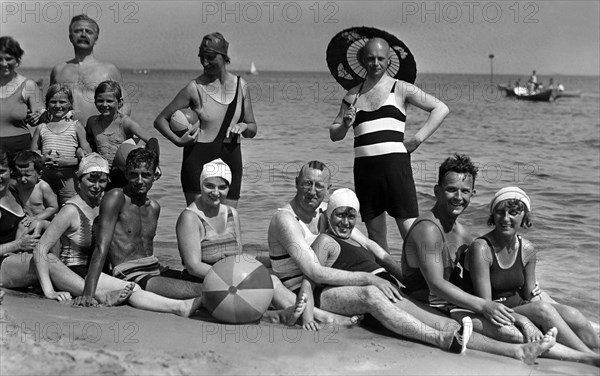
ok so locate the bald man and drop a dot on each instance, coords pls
(376, 109)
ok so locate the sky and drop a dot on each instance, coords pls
(552, 37)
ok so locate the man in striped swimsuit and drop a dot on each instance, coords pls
(376, 110)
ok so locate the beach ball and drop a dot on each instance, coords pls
(123, 151)
(238, 289)
(182, 120)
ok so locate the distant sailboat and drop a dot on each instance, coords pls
(252, 70)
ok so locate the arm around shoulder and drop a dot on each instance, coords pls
(287, 233)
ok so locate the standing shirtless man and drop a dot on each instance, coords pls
(84, 72)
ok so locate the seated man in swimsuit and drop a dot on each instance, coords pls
(126, 228)
(292, 231)
(430, 248)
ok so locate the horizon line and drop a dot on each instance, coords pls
(130, 69)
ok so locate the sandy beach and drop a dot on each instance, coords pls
(44, 337)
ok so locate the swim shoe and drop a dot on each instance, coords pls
(462, 336)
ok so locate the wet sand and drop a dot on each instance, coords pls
(44, 337)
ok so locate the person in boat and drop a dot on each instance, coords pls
(532, 83)
(382, 167)
(223, 105)
(500, 266)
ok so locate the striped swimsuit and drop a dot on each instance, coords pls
(284, 266)
(382, 167)
(217, 246)
(65, 142)
(78, 245)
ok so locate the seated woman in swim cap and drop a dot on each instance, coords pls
(209, 230)
(500, 265)
(336, 249)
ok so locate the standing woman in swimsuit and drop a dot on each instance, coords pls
(500, 266)
(223, 106)
(21, 100)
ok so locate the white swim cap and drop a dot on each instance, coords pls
(508, 193)
(216, 168)
(92, 162)
(342, 197)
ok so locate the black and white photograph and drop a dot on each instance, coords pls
(302, 187)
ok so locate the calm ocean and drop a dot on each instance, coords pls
(551, 150)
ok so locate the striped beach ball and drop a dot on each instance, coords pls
(238, 289)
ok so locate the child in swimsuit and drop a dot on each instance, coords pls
(500, 266)
(61, 141)
(107, 131)
(38, 198)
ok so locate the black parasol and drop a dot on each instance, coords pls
(343, 56)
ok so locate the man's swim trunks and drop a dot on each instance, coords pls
(139, 271)
(382, 166)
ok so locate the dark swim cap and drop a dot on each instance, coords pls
(214, 42)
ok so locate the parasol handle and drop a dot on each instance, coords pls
(358, 94)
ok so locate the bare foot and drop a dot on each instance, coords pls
(118, 297)
(289, 315)
(327, 317)
(189, 306)
(530, 351)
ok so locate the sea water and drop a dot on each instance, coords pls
(551, 150)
